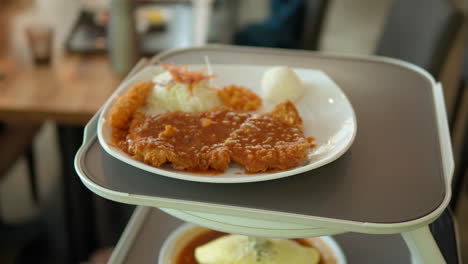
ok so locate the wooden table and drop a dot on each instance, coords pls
(69, 91)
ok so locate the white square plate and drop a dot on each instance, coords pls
(326, 111)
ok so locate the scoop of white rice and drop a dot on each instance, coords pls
(169, 95)
(280, 84)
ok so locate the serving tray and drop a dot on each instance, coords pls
(394, 177)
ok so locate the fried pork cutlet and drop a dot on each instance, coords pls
(190, 141)
(211, 139)
(273, 141)
(123, 110)
(239, 98)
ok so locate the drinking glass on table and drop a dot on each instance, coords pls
(40, 40)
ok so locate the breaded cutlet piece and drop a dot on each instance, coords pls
(239, 98)
(122, 111)
(189, 141)
(272, 141)
(286, 112)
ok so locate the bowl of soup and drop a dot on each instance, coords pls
(191, 244)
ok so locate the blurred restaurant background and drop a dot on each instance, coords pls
(61, 59)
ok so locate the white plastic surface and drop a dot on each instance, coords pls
(422, 246)
(444, 133)
(250, 226)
